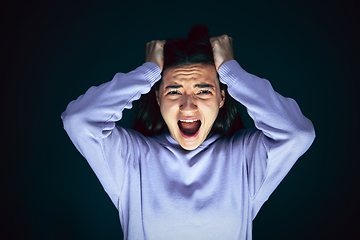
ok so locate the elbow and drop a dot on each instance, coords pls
(70, 121)
(73, 120)
(65, 119)
(305, 136)
(79, 124)
(69, 115)
(75, 125)
(309, 136)
(310, 132)
(73, 117)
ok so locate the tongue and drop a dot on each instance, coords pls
(189, 128)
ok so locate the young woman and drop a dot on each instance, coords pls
(185, 174)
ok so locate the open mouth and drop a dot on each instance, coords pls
(189, 127)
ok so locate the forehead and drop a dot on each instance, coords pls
(200, 72)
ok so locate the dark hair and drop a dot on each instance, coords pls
(179, 52)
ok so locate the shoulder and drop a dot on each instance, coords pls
(245, 136)
(130, 141)
(237, 142)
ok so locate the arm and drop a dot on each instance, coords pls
(284, 132)
(90, 121)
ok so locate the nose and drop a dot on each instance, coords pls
(188, 104)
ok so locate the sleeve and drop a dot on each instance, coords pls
(283, 135)
(90, 123)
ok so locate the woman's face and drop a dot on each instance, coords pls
(190, 98)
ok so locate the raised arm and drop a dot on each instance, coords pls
(100, 107)
(284, 132)
(90, 119)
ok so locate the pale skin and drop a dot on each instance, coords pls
(190, 95)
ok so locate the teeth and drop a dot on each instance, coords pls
(194, 120)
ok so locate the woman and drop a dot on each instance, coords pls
(188, 178)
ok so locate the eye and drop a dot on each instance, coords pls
(204, 91)
(173, 92)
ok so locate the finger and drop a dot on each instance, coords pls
(215, 43)
(162, 43)
(213, 39)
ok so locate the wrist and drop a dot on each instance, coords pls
(225, 71)
(152, 72)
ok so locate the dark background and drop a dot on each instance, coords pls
(53, 51)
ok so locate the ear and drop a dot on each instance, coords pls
(157, 97)
(222, 101)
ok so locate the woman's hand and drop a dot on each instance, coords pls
(222, 49)
(155, 52)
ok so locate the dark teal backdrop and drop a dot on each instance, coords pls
(53, 51)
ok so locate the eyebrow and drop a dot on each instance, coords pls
(173, 86)
(197, 85)
(204, 86)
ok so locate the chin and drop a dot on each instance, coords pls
(190, 148)
(190, 143)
